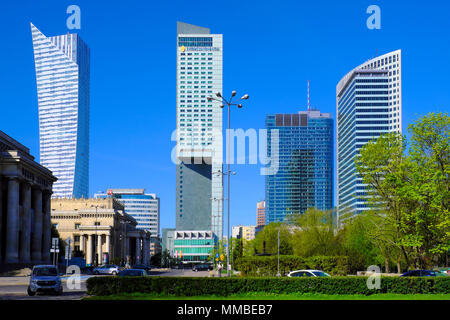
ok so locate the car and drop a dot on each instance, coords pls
(133, 273)
(308, 273)
(142, 267)
(107, 269)
(45, 278)
(423, 273)
(202, 267)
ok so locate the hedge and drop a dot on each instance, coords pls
(267, 266)
(197, 286)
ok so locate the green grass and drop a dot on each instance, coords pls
(269, 296)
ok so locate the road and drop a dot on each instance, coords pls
(15, 288)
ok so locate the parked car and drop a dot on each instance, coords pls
(45, 278)
(423, 273)
(107, 269)
(202, 267)
(308, 273)
(133, 273)
(142, 267)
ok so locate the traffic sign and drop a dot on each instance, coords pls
(55, 242)
(54, 250)
(221, 257)
(68, 241)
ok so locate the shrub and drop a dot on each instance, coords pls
(188, 286)
(267, 266)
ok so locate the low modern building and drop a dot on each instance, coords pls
(25, 192)
(243, 232)
(193, 246)
(168, 235)
(101, 230)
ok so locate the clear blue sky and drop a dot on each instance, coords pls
(271, 48)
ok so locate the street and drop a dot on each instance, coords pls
(15, 288)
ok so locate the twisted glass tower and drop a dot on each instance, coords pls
(368, 104)
(62, 77)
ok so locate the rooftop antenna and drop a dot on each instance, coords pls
(308, 95)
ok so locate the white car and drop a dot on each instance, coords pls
(308, 273)
(107, 269)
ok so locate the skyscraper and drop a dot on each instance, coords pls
(305, 175)
(62, 77)
(368, 104)
(199, 184)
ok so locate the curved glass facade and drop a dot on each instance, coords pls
(368, 102)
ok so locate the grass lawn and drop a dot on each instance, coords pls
(269, 296)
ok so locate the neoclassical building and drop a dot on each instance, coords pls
(25, 192)
(100, 230)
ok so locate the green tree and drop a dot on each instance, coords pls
(410, 193)
(315, 233)
(266, 241)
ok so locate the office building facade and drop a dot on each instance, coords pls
(62, 76)
(368, 104)
(260, 213)
(144, 208)
(305, 160)
(199, 185)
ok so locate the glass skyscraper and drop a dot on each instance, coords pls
(305, 174)
(199, 184)
(368, 104)
(62, 77)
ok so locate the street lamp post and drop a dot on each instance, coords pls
(229, 103)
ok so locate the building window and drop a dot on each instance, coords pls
(77, 226)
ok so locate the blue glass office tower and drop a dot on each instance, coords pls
(62, 77)
(368, 104)
(305, 173)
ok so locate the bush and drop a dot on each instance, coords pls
(187, 286)
(267, 266)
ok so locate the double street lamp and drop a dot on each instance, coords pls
(228, 103)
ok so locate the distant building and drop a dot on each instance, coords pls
(243, 232)
(305, 159)
(62, 78)
(141, 206)
(168, 236)
(260, 213)
(25, 191)
(100, 230)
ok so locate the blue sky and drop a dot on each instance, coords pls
(271, 49)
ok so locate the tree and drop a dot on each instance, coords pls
(266, 241)
(410, 193)
(316, 233)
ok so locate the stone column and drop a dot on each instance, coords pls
(36, 241)
(99, 249)
(146, 250)
(89, 244)
(12, 222)
(25, 239)
(82, 244)
(138, 250)
(46, 227)
(108, 247)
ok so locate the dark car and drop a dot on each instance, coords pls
(142, 267)
(421, 273)
(133, 273)
(202, 267)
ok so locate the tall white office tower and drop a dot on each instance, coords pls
(62, 77)
(368, 104)
(199, 184)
